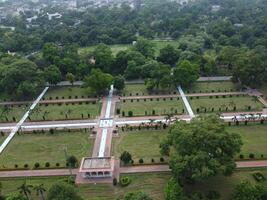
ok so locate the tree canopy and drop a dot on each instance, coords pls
(202, 148)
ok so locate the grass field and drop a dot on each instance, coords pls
(134, 90)
(254, 138)
(202, 87)
(2, 138)
(141, 144)
(241, 103)
(160, 107)
(42, 148)
(122, 47)
(62, 112)
(66, 93)
(150, 183)
(8, 113)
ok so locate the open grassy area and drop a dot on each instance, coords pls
(66, 93)
(2, 138)
(122, 47)
(152, 184)
(237, 103)
(160, 106)
(114, 48)
(141, 144)
(134, 90)
(12, 114)
(254, 138)
(42, 148)
(222, 86)
(63, 112)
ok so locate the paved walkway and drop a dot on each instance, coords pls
(186, 103)
(17, 127)
(215, 78)
(125, 170)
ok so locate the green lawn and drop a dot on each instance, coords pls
(202, 87)
(66, 93)
(62, 112)
(114, 48)
(254, 138)
(2, 138)
(241, 103)
(122, 47)
(161, 44)
(141, 144)
(160, 107)
(152, 184)
(42, 148)
(135, 90)
(8, 113)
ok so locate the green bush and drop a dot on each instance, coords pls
(258, 177)
(125, 181)
(36, 165)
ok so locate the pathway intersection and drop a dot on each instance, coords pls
(108, 122)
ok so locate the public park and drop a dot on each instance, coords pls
(133, 100)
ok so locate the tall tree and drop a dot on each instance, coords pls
(62, 191)
(145, 47)
(40, 190)
(185, 73)
(202, 148)
(169, 55)
(52, 74)
(98, 82)
(25, 189)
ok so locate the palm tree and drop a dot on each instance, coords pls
(40, 191)
(168, 118)
(25, 189)
(151, 121)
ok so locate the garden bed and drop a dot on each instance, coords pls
(66, 111)
(45, 147)
(148, 107)
(12, 113)
(211, 87)
(143, 144)
(221, 104)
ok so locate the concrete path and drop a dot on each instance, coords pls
(17, 127)
(102, 145)
(123, 170)
(37, 173)
(215, 78)
(186, 103)
(46, 125)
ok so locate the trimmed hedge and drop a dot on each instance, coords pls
(125, 181)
